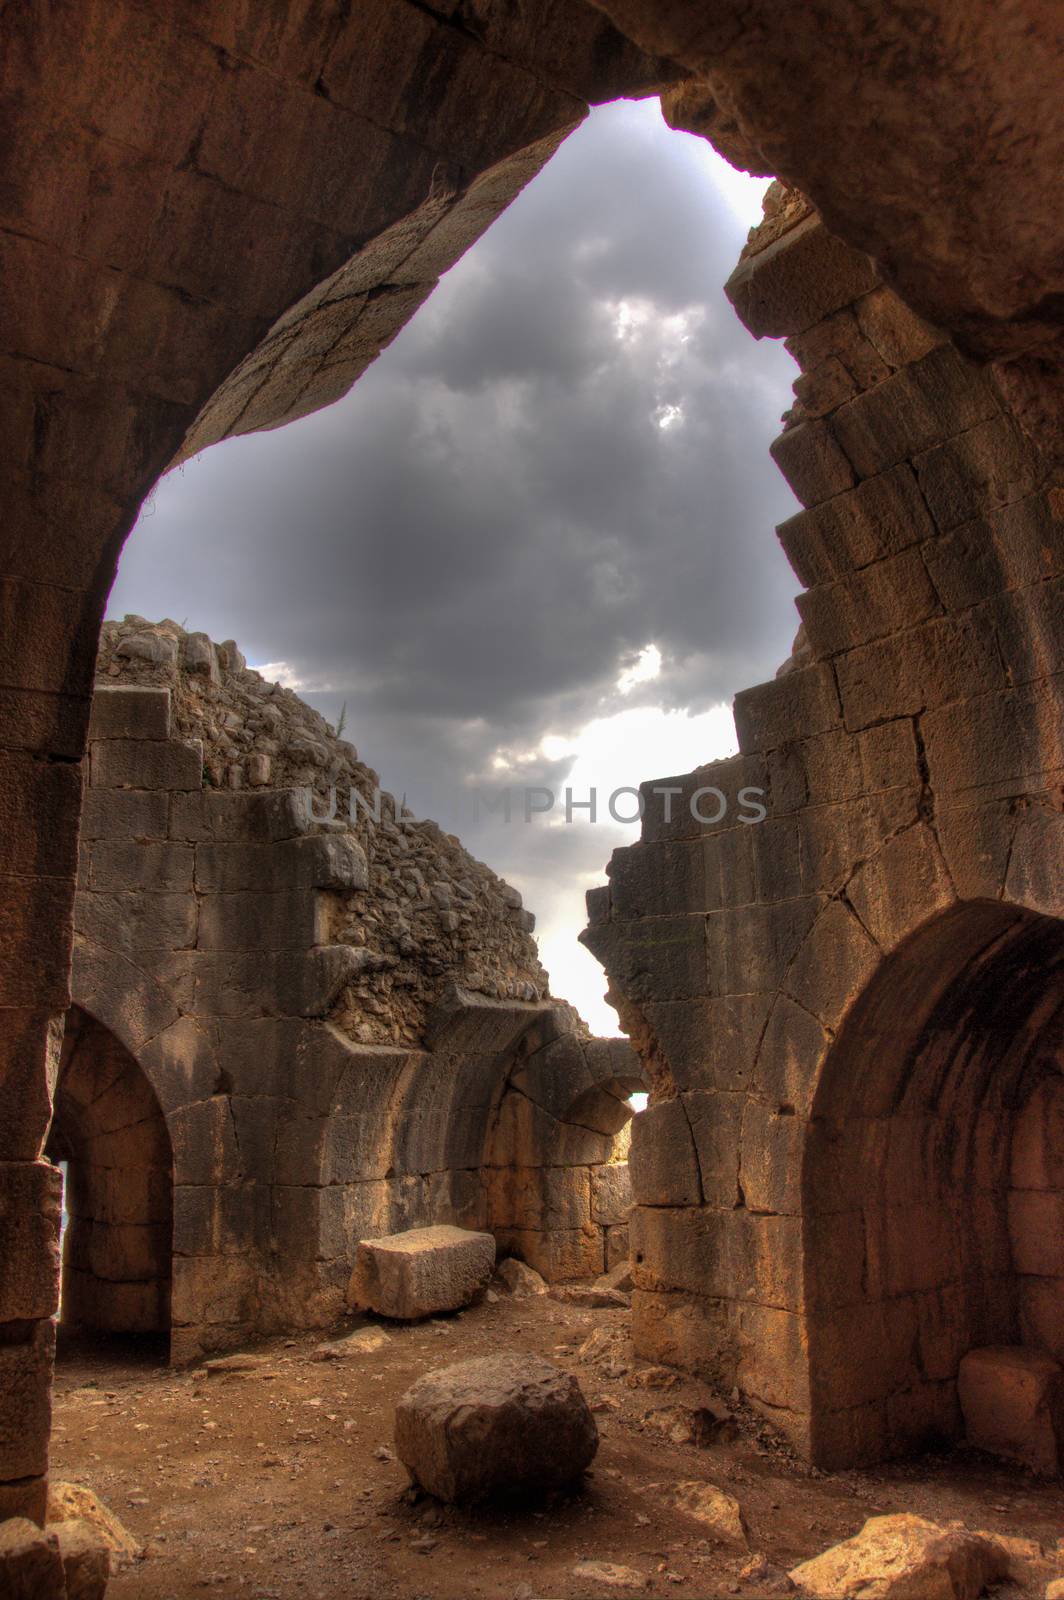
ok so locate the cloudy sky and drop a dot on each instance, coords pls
(534, 546)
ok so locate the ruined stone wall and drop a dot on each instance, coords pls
(419, 913)
(910, 754)
(221, 940)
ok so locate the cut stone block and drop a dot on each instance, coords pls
(86, 1559)
(420, 1272)
(31, 1567)
(1013, 1404)
(903, 1557)
(501, 1424)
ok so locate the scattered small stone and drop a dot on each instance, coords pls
(233, 1366)
(768, 1578)
(590, 1297)
(519, 1279)
(608, 1572)
(714, 1508)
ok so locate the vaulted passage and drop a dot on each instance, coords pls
(110, 1133)
(934, 1180)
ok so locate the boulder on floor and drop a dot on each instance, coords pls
(504, 1424)
(518, 1279)
(903, 1557)
(420, 1272)
(1012, 1399)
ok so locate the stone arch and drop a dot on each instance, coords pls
(928, 1187)
(109, 1131)
(556, 1166)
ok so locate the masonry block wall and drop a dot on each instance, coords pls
(203, 955)
(910, 757)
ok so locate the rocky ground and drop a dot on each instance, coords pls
(275, 1477)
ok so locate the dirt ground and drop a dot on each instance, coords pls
(280, 1481)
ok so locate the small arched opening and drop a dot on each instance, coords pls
(109, 1136)
(558, 1188)
(933, 1181)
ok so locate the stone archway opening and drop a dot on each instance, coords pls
(109, 1136)
(556, 1169)
(933, 1185)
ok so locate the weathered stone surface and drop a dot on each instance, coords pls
(31, 1567)
(518, 1279)
(662, 1160)
(74, 1502)
(126, 711)
(720, 1512)
(610, 1574)
(498, 1425)
(903, 1557)
(416, 1274)
(1013, 1404)
(86, 1559)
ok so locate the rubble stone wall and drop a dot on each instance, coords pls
(910, 755)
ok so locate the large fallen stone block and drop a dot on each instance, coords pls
(903, 1557)
(420, 1272)
(1013, 1404)
(499, 1425)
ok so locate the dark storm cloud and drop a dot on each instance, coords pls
(466, 548)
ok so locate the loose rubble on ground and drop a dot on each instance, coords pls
(513, 1447)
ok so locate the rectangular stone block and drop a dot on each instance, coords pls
(796, 706)
(39, 805)
(749, 949)
(1036, 1231)
(1017, 735)
(880, 599)
(798, 279)
(990, 465)
(27, 1353)
(238, 818)
(1011, 547)
(1013, 1405)
(118, 864)
(125, 814)
(30, 1042)
(680, 807)
(318, 861)
(127, 711)
(662, 1163)
(648, 880)
(146, 764)
(611, 1194)
(29, 1243)
(421, 1272)
(936, 397)
(813, 462)
(878, 518)
(898, 335)
(35, 942)
(559, 1255)
(294, 919)
(716, 1126)
(839, 338)
(916, 671)
(136, 920)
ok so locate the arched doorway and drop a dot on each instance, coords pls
(110, 1137)
(933, 1181)
(556, 1167)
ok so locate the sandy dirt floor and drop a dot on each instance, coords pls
(281, 1482)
